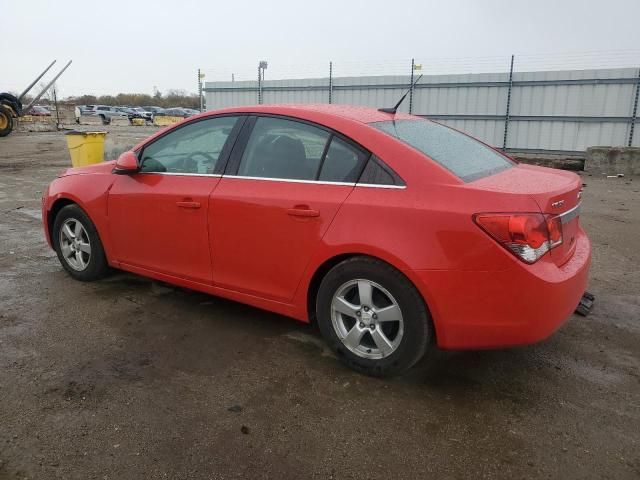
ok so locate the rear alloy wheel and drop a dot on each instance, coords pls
(78, 245)
(368, 328)
(373, 317)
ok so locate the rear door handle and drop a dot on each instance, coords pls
(302, 211)
(186, 204)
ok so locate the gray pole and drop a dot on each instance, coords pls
(55, 101)
(26, 90)
(635, 111)
(200, 90)
(330, 80)
(506, 116)
(259, 86)
(413, 64)
(33, 102)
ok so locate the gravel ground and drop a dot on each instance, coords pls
(128, 378)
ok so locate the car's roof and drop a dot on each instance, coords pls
(349, 112)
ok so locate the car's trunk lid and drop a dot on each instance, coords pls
(555, 192)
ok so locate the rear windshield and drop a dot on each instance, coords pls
(467, 158)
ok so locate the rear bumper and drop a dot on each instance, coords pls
(518, 306)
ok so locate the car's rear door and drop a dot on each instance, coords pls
(283, 186)
(158, 217)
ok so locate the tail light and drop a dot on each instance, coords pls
(527, 235)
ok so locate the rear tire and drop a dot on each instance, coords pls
(373, 317)
(6, 121)
(77, 243)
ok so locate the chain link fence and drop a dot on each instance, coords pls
(559, 103)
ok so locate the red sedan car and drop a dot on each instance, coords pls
(393, 233)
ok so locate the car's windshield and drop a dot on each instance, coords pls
(464, 156)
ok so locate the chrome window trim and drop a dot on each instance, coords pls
(290, 180)
(376, 185)
(180, 174)
(569, 215)
(270, 179)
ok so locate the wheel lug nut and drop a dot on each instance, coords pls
(358, 313)
(375, 315)
(361, 325)
(372, 326)
(366, 309)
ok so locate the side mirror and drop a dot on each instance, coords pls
(127, 163)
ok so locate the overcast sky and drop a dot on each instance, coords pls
(132, 46)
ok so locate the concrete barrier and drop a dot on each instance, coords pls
(613, 160)
(35, 123)
(119, 121)
(138, 121)
(162, 120)
(90, 120)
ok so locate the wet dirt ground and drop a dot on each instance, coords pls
(126, 378)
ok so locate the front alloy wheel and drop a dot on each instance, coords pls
(75, 244)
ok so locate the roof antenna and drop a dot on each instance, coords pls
(393, 110)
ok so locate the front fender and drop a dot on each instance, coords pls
(90, 192)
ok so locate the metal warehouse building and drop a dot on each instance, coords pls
(544, 111)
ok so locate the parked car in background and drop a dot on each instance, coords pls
(180, 112)
(39, 111)
(106, 113)
(155, 110)
(393, 233)
(85, 109)
(142, 113)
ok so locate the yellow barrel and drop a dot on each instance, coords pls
(85, 148)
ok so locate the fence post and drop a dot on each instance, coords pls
(55, 102)
(506, 116)
(635, 110)
(330, 80)
(200, 89)
(413, 64)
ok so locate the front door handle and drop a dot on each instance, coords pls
(302, 211)
(188, 204)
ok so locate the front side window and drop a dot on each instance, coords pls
(194, 148)
(280, 148)
(464, 156)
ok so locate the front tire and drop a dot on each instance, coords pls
(6, 121)
(78, 245)
(373, 317)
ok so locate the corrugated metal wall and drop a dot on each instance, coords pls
(564, 111)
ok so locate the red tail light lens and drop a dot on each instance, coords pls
(527, 235)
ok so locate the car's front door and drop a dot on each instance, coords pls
(158, 217)
(283, 186)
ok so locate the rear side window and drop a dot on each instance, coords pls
(342, 162)
(279, 148)
(379, 173)
(464, 156)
